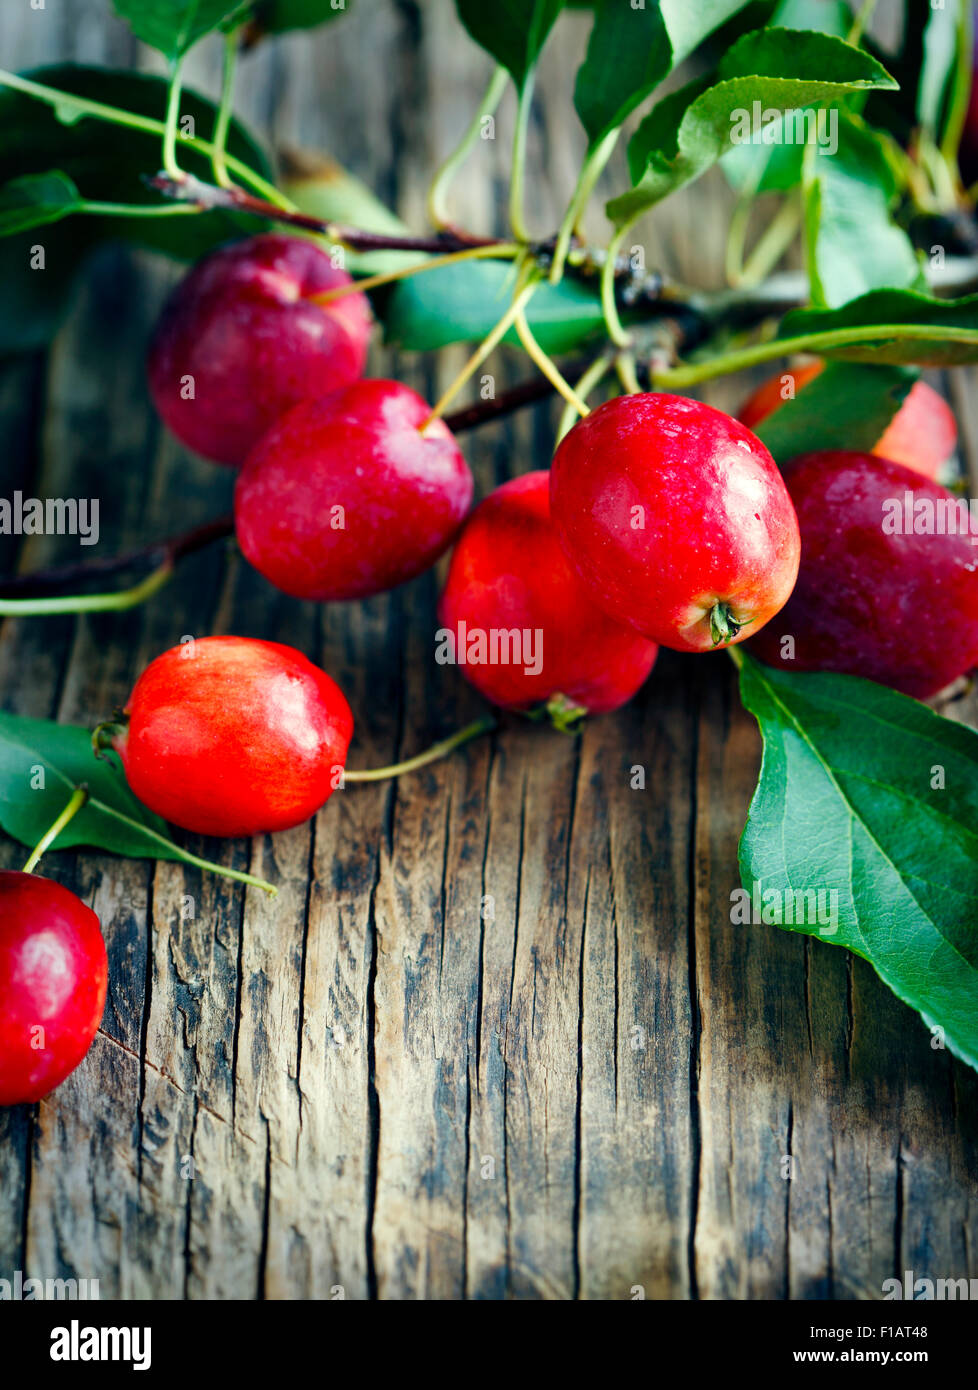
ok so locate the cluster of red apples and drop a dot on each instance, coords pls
(662, 522)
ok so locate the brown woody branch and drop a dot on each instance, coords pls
(175, 548)
(208, 196)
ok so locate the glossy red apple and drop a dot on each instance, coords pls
(232, 736)
(923, 434)
(240, 341)
(508, 575)
(677, 520)
(879, 593)
(346, 497)
(53, 974)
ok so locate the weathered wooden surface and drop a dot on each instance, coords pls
(496, 1037)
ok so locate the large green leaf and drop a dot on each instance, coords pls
(844, 407)
(107, 163)
(462, 303)
(173, 26)
(868, 804)
(852, 243)
(633, 47)
(771, 70)
(895, 326)
(628, 54)
(776, 168)
(513, 31)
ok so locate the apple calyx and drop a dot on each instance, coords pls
(565, 715)
(724, 627)
(104, 735)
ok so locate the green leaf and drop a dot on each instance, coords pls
(324, 189)
(776, 168)
(513, 31)
(106, 162)
(689, 24)
(275, 16)
(903, 326)
(756, 169)
(36, 199)
(846, 810)
(462, 303)
(852, 243)
(771, 70)
(173, 26)
(844, 407)
(631, 50)
(41, 764)
(628, 54)
(111, 819)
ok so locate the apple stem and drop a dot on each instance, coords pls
(89, 603)
(437, 210)
(483, 725)
(222, 122)
(170, 164)
(723, 625)
(78, 799)
(372, 282)
(491, 339)
(547, 365)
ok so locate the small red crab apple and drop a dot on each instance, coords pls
(509, 575)
(677, 520)
(923, 434)
(233, 736)
(241, 340)
(352, 494)
(53, 973)
(881, 592)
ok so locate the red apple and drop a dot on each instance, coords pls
(232, 736)
(677, 520)
(346, 497)
(876, 597)
(240, 341)
(508, 575)
(53, 973)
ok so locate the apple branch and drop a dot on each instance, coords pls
(170, 550)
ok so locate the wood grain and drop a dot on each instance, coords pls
(496, 1038)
